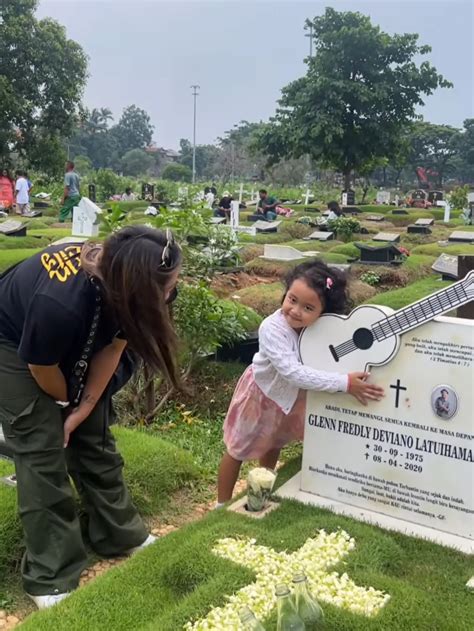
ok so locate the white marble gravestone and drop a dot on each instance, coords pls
(383, 197)
(321, 236)
(85, 219)
(391, 237)
(277, 252)
(234, 214)
(406, 462)
(266, 226)
(462, 235)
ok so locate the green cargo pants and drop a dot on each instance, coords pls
(33, 427)
(68, 207)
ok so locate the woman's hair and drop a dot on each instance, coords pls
(136, 265)
(334, 206)
(330, 284)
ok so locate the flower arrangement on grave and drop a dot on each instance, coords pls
(314, 559)
(260, 483)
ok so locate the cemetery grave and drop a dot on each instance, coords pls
(378, 579)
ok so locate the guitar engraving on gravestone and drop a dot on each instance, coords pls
(405, 462)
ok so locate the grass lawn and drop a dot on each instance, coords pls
(398, 298)
(179, 578)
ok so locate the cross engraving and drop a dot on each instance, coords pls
(397, 387)
(314, 558)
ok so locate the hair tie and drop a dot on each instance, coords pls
(329, 283)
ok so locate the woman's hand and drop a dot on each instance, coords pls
(363, 391)
(75, 418)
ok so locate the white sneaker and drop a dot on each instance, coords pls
(148, 541)
(43, 602)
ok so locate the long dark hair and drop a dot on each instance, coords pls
(329, 283)
(137, 264)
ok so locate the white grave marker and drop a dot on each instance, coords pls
(85, 219)
(241, 192)
(306, 197)
(447, 209)
(234, 214)
(383, 197)
(405, 462)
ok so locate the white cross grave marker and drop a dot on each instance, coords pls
(314, 558)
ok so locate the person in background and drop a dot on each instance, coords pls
(267, 205)
(128, 196)
(22, 194)
(69, 318)
(7, 190)
(223, 210)
(71, 194)
(334, 211)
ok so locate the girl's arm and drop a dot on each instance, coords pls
(102, 368)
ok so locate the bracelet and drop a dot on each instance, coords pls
(62, 404)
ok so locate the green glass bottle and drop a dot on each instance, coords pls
(288, 618)
(249, 621)
(306, 605)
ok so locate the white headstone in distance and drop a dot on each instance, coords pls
(85, 219)
(447, 209)
(405, 462)
(396, 200)
(306, 197)
(234, 214)
(383, 197)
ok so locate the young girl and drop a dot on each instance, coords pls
(268, 406)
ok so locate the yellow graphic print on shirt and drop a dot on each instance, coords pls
(63, 264)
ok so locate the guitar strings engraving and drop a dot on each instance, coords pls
(420, 312)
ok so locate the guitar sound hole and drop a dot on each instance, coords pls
(363, 338)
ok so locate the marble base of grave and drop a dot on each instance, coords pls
(217, 220)
(392, 237)
(400, 212)
(462, 235)
(12, 228)
(318, 235)
(417, 229)
(424, 221)
(374, 217)
(240, 507)
(379, 254)
(447, 265)
(267, 226)
(404, 463)
(276, 252)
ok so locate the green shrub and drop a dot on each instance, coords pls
(458, 197)
(177, 173)
(344, 227)
(249, 317)
(371, 278)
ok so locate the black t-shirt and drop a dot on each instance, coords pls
(46, 308)
(225, 203)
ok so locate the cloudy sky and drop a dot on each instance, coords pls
(241, 53)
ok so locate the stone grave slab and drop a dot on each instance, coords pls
(218, 220)
(375, 217)
(417, 229)
(267, 226)
(310, 209)
(399, 211)
(277, 252)
(447, 265)
(321, 236)
(405, 462)
(424, 221)
(66, 240)
(392, 237)
(379, 254)
(462, 235)
(12, 228)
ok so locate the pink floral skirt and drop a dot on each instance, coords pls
(255, 424)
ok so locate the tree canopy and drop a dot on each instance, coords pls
(42, 76)
(361, 88)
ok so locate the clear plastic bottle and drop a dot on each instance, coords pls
(306, 605)
(288, 618)
(249, 621)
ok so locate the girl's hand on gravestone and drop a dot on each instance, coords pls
(363, 391)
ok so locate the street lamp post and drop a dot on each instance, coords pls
(195, 89)
(310, 35)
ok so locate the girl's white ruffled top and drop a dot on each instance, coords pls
(278, 371)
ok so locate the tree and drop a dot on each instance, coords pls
(466, 142)
(433, 149)
(361, 88)
(134, 129)
(136, 162)
(207, 158)
(177, 173)
(42, 75)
